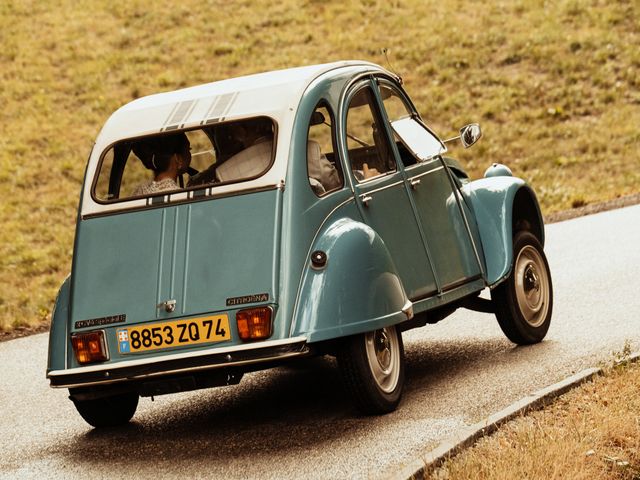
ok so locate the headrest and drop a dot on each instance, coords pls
(317, 118)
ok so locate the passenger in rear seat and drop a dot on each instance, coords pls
(168, 156)
(323, 175)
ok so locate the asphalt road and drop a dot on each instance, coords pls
(295, 422)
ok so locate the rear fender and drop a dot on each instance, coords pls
(58, 332)
(501, 205)
(358, 289)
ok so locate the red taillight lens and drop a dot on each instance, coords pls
(254, 323)
(89, 347)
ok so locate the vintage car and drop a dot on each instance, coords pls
(237, 225)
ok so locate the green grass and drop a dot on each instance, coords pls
(555, 86)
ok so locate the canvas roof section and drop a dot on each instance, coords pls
(269, 93)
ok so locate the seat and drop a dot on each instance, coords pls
(249, 163)
(321, 170)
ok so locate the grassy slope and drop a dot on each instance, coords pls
(590, 433)
(554, 84)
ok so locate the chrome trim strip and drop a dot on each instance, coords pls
(424, 174)
(186, 370)
(174, 253)
(460, 282)
(210, 196)
(185, 275)
(177, 356)
(376, 190)
(67, 325)
(456, 293)
(459, 199)
(423, 236)
(473, 242)
(163, 230)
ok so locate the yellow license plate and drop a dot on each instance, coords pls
(173, 334)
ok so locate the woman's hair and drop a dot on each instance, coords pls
(155, 153)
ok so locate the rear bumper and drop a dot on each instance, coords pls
(250, 356)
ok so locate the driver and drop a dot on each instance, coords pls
(168, 156)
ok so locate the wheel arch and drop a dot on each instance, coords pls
(526, 213)
(56, 357)
(357, 290)
(503, 206)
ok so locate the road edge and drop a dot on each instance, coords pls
(468, 436)
(593, 208)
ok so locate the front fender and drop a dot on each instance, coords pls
(358, 290)
(58, 332)
(492, 200)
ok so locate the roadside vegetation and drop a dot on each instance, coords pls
(555, 86)
(592, 432)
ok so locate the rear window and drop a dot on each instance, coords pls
(172, 162)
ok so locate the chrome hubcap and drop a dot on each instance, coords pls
(383, 355)
(532, 286)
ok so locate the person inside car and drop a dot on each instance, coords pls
(257, 139)
(168, 156)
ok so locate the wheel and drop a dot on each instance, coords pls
(372, 366)
(524, 301)
(108, 411)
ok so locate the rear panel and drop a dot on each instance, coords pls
(208, 257)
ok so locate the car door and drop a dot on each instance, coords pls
(437, 200)
(379, 187)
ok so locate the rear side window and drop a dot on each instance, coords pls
(177, 161)
(325, 174)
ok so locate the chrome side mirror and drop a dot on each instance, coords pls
(470, 134)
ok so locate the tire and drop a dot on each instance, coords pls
(108, 411)
(524, 301)
(372, 367)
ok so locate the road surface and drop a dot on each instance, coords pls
(295, 422)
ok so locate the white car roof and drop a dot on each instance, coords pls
(269, 93)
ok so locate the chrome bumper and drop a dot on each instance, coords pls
(179, 363)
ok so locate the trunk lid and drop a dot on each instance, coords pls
(202, 255)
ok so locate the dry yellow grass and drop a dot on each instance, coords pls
(555, 86)
(590, 433)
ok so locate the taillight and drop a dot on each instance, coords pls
(90, 347)
(254, 323)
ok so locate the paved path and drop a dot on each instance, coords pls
(294, 422)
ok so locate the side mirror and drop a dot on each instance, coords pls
(470, 134)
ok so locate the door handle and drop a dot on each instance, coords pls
(414, 182)
(366, 199)
(169, 306)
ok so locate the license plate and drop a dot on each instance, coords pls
(173, 334)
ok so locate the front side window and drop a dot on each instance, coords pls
(415, 142)
(369, 150)
(325, 174)
(177, 161)
(396, 109)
